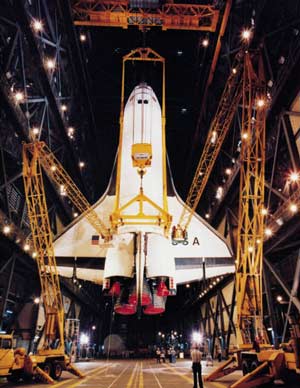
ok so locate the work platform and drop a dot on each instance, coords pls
(141, 373)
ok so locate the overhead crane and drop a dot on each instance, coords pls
(120, 13)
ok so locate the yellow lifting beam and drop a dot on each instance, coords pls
(61, 178)
(161, 218)
(251, 204)
(218, 130)
(119, 13)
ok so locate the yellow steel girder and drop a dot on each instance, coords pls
(112, 13)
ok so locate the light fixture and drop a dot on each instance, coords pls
(179, 53)
(205, 42)
(196, 337)
(35, 131)
(219, 192)
(64, 107)
(234, 70)
(213, 137)
(93, 327)
(36, 300)
(207, 216)
(279, 298)
(246, 34)
(245, 136)
(250, 249)
(34, 255)
(75, 214)
(81, 164)
(37, 25)
(82, 37)
(293, 208)
(6, 229)
(261, 103)
(71, 131)
(19, 96)
(53, 168)
(187, 285)
(26, 247)
(183, 110)
(258, 241)
(50, 64)
(84, 339)
(228, 171)
(264, 211)
(294, 176)
(159, 333)
(279, 221)
(268, 232)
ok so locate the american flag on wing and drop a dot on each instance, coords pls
(95, 239)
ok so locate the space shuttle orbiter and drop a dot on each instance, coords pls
(141, 266)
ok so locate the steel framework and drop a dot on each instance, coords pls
(251, 204)
(110, 13)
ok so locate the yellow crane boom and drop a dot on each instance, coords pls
(218, 130)
(61, 178)
(43, 246)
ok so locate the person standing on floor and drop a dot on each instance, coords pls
(196, 366)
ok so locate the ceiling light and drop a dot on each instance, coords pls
(261, 103)
(37, 25)
(268, 232)
(264, 211)
(294, 176)
(82, 37)
(35, 131)
(50, 64)
(205, 42)
(19, 96)
(246, 34)
(26, 247)
(179, 53)
(6, 229)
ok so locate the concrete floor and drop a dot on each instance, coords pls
(135, 374)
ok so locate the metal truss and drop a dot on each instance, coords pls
(218, 130)
(107, 13)
(41, 99)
